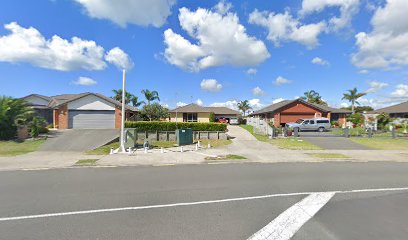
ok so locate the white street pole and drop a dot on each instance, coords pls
(122, 128)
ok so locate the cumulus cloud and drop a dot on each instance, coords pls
(257, 91)
(28, 45)
(277, 100)
(123, 12)
(220, 40)
(363, 71)
(211, 85)
(283, 27)
(376, 86)
(401, 91)
(386, 45)
(252, 71)
(119, 58)
(347, 8)
(320, 61)
(233, 104)
(199, 102)
(84, 81)
(181, 104)
(281, 81)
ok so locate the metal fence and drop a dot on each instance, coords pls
(260, 126)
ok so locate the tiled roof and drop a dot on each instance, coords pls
(279, 105)
(193, 108)
(398, 108)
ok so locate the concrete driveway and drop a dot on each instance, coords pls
(78, 140)
(327, 140)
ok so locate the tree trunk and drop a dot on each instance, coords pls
(352, 107)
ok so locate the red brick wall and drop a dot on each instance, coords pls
(63, 117)
(118, 117)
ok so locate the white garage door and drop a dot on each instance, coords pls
(86, 119)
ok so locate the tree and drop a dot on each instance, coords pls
(154, 112)
(129, 98)
(360, 109)
(13, 112)
(313, 97)
(150, 95)
(212, 117)
(244, 106)
(352, 96)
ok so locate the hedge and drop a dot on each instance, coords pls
(172, 126)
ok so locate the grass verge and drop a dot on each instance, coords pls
(329, 155)
(227, 157)
(84, 162)
(215, 142)
(383, 143)
(15, 148)
(290, 143)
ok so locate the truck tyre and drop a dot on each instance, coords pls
(321, 129)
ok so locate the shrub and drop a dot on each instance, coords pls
(172, 126)
(335, 124)
(357, 119)
(242, 121)
(212, 117)
(383, 120)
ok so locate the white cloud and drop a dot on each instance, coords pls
(347, 8)
(84, 81)
(364, 71)
(258, 92)
(320, 61)
(223, 7)
(220, 38)
(123, 12)
(199, 102)
(119, 58)
(283, 27)
(281, 81)
(164, 104)
(210, 85)
(252, 71)
(28, 45)
(278, 100)
(376, 86)
(233, 104)
(344, 105)
(387, 44)
(401, 91)
(181, 104)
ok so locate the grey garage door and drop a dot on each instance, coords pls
(86, 119)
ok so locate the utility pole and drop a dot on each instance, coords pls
(122, 128)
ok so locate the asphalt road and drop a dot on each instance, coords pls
(174, 196)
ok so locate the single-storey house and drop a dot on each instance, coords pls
(291, 110)
(80, 111)
(196, 113)
(399, 112)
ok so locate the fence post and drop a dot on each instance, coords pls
(199, 135)
(157, 136)
(208, 135)
(296, 130)
(393, 133)
(346, 132)
(167, 136)
(218, 135)
(370, 132)
(146, 135)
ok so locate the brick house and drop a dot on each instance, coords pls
(291, 110)
(80, 111)
(195, 113)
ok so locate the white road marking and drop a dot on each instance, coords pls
(290, 221)
(192, 203)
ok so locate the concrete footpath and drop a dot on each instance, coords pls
(243, 144)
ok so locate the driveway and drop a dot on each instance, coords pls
(327, 140)
(78, 140)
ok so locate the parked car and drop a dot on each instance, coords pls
(234, 121)
(223, 120)
(311, 124)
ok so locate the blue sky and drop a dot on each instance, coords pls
(213, 52)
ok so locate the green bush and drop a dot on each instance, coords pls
(212, 117)
(172, 126)
(357, 119)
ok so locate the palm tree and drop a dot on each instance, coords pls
(352, 96)
(13, 112)
(244, 106)
(313, 97)
(129, 98)
(150, 95)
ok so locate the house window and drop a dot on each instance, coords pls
(189, 117)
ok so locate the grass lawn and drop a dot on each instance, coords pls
(294, 144)
(105, 150)
(13, 148)
(383, 143)
(86, 162)
(329, 155)
(227, 157)
(285, 143)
